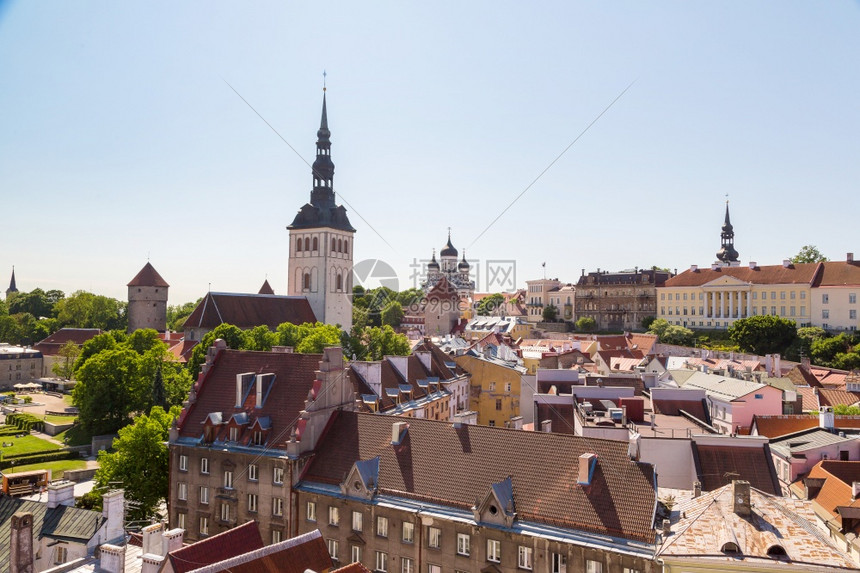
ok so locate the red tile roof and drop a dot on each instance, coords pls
(776, 426)
(307, 552)
(839, 273)
(719, 465)
(216, 392)
(455, 466)
(801, 273)
(50, 345)
(148, 276)
(249, 310)
(831, 397)
(443, 290)
(836, 490)
(230, 543)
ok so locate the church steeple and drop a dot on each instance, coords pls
(727, 253)
(323, 168)
(12, 287)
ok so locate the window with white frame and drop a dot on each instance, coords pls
(408, 532)
(228, 479)
(278, 476)
(355, 553)
(524, 557)
(234, 434)
(225, 512)
(357, 521)
(257, 438)
(381, 561)
(332, 548)
(278, 506)
(494, 550)
(433, 568)
(252, 502)
(180, 520)
(277, 536)
(204, 494)
(311, 513)
(381, 526)
(592, 566)
(434, 537)
(407, 565)
(183, 463)
(464, 543)
(182, 491)
(204, 526)
(252, 472)
(333, 515)
(558, 563)
(204, 465)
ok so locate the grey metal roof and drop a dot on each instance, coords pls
(807, 440)
(731, 388)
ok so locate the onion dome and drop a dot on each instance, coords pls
(449, 250)
(433, 265)
(464, 264)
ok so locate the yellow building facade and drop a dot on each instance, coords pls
(494, 389)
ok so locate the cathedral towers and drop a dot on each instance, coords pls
(321, 243)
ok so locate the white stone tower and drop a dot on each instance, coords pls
(147, 300)
(321, 243)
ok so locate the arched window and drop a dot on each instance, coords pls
(306, 282)
(339, 246)
(333, 245)
(339, 282)
(298, 244)
(316, 244)
(777, 552)
(731, 548)
(307, 244)
(346, 246)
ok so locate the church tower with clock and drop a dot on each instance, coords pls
(321, 243)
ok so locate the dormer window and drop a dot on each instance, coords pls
(234, 434)
(731, 548)
(257, 438)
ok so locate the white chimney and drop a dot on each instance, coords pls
(694, 268)
(715, 266)
(397, 431)
(113, 510)
(150, 563)
(152, 539)
(517, 422)
(61, 494)
(172, 540)
(112, 558)
(826, 419)
(753, 265)
(546, 426)
(586, 465)
(849, 257)
(786, 263)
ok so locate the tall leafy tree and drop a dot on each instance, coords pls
(139, 461)
(586, 324)
(392, 314)
(87, 310)
(34, 302)
(109, 388)
(68, 353)
(809, 254)
(490, 305)
(763, 334)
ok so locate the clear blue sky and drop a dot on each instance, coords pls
(120, 140)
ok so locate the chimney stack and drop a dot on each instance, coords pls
(826, 419)
(62, 493)
(786, 263)
(398, 431)
(849, 257)
(667, 527)
(21, 543)
(753, 265)
(546, 426)
(586, 468)
(697, 489)
(741, 497)
(112, 558)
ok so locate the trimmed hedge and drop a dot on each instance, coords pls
(38, 458)
(25, 421)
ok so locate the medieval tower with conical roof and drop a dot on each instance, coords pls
(147, 300)
(727, 254)
(321, 243)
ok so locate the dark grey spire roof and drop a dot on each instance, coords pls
(12, 286)
(322, 211)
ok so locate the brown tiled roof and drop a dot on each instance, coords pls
(230, 543)
(719, 465)
(801, 273)
(148, 276)
(50, 345)
(307, 552)
(182, 349)
(455, 466)
(216, 392)
(808, 399)
(776, 426)
(836, 491)
(839, 273)
(831, 397)
(249, 310)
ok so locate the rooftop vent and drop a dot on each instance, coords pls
(398, 432)
(587, 462)
(753, 265)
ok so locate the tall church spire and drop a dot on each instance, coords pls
(12, 287)
(727, 253)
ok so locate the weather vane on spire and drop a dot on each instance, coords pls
(324, 75)
(727, 198)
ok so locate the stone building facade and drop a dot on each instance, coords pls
(619, 301)
(147, 300)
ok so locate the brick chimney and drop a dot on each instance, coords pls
(742, 504)
(21, 543)
(112, 558)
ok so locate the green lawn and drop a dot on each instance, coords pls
(57, 468)
(60, 419)
(74, 436)
(25, 445)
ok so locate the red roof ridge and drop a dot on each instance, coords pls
(149, 277)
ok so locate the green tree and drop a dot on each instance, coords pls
(143, 340)
(847, 360)
(139, 462)
(490, 305)
(678, 335)
(87, 310)
(763, 334)
(825, 350)
(290, 334)
(381, 342)
(320, 336)
(108, 391)
(550, 312)
(392, 314)
(232, 335)
(34, 302)
(176, 314)
(260, 338)
(103, 341)
(809, 254)
(802, 345)
(846, 410)
(586, 324)
(410, 296)
(648, 321)
(68, 353)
